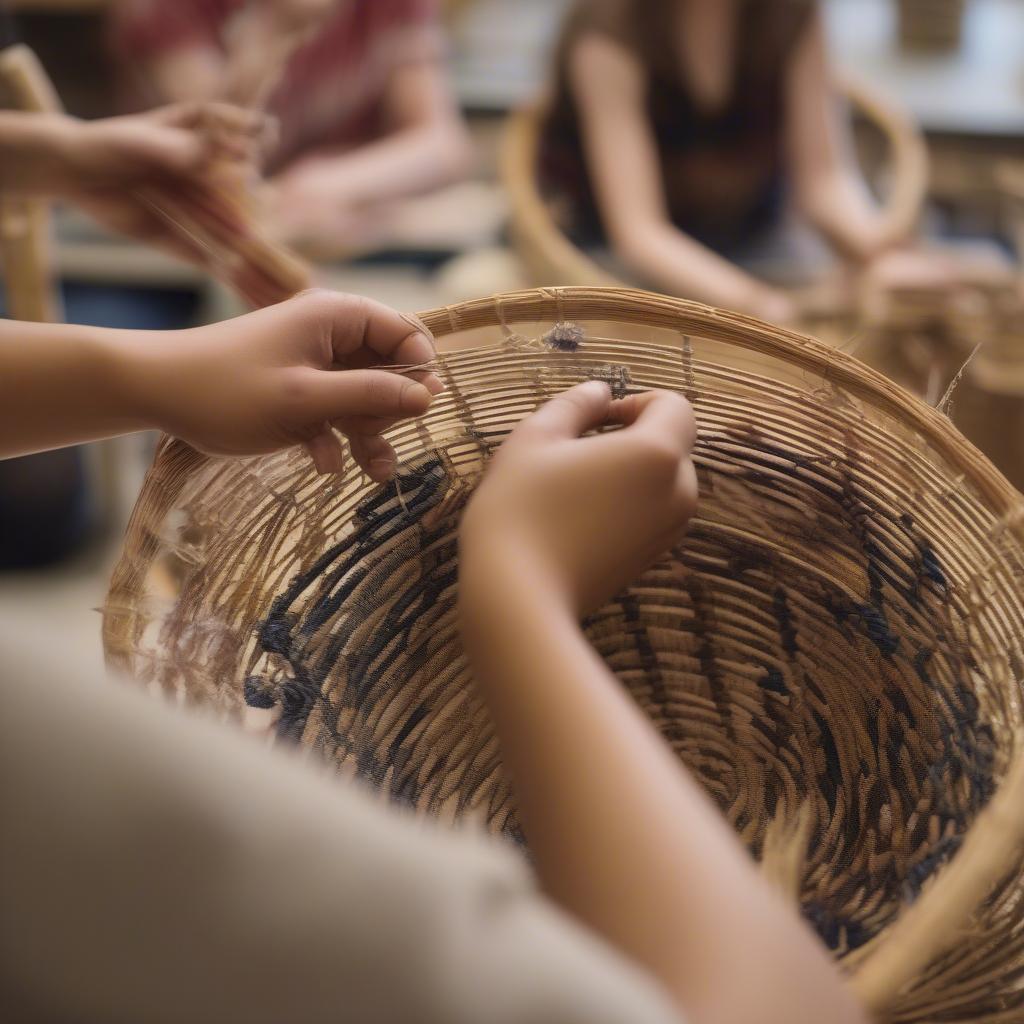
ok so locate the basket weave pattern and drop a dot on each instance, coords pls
(839, 641)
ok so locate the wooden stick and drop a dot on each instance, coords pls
(25, 224)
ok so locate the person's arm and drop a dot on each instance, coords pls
(621, 834)
(113, 167)
(426, 146)
(261, 39)
(64, 157)
(33, 152)
(159, 867)
(828, 186)
(282, 376)
(621, 153)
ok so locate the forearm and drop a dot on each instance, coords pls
(403, 164)
(623, 837)
(66, 384)
(33, 151)
(841, 209)
(682, 266)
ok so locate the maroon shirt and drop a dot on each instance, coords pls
(332, 89)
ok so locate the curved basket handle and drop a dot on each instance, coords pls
(908, 155)
(547, 250)
(992, 849)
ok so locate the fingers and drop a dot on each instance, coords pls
(363, 322)
(165, 149)
(357, 323)
(374, 454)
(570, 414)
(327, 452)
(216, 119)
(663, 414)
(205, 130)
(330, 395)
(685, 492)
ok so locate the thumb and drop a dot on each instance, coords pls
(337, 394)
(571, 413)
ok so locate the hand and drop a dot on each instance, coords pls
(585, 515)
(181, 147)
(899, 270)
(306, 208)
(288, 375)
(181, 139)
(965, 278)
(774, 306)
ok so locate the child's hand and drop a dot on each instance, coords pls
(583, 515)
(287, 375)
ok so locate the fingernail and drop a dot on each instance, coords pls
(381, 469)
(433, 384)
(415, 398)
(323, 463)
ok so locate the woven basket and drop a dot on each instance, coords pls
(836, 649)
(962, 351)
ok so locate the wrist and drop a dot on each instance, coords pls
(501, 583)
(37, 152)
(135, 375)
(64, 140)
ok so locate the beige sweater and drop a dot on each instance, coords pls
(157, 867)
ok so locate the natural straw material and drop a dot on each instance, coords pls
(836, 649)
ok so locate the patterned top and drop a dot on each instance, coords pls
(332, 89)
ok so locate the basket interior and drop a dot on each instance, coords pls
(840, 631)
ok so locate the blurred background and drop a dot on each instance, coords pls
(932, 91)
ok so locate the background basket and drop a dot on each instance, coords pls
(930, 25)
(835, 650)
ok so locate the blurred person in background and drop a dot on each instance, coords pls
(681, 129)
(358, 87)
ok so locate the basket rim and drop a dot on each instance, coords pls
(995, 840)
(629, 305)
